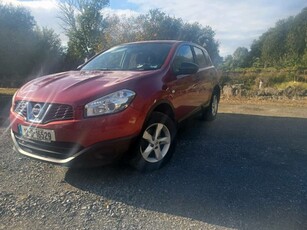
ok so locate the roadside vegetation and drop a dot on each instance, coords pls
(274, 65)
(7, 91)
(265, 82)
(253, 78)
(283, 46)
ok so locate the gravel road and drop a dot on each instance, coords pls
(241, 171)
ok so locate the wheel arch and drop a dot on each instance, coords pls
(164, 107)
(161, 112)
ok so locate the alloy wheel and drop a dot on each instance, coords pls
(156, 142)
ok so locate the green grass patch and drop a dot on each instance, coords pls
(297, 85)
(8, 91)
(250, 78)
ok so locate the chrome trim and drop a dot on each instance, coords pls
(25, 109)
(44, 109)
(36, 110)
(48, 159)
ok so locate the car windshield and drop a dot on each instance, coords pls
(142, 56)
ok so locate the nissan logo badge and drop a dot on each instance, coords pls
(36, 110)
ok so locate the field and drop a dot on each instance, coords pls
(7, 91)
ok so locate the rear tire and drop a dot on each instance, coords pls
(156, 144)
(210, 113)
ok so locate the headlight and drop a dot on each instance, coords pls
(110, 103)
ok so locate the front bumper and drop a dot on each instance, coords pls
(73, 155)
(92, 141)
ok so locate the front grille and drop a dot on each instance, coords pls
(52, 112)
(59, 112)
(21, 108)
(57, 150)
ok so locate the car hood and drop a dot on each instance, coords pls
(75, 86)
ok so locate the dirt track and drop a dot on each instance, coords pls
(275, 108)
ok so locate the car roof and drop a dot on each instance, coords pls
(170, 42)
(155, 41)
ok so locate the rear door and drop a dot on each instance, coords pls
(204, 77)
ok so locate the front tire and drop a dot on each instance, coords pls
(156, 144)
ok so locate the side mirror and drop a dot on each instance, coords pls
(187, 68)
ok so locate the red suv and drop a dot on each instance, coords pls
(128, 99)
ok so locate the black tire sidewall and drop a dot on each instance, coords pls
(207, 113)
(138, 161)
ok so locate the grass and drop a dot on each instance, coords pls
(8, 91)
(281, 79)
(294, 84)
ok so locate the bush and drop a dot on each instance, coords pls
(271, 77)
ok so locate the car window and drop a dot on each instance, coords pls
(143, 56)
(184, 54)
(208, 59)
(200, 58)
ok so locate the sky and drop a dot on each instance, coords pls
(236, 22)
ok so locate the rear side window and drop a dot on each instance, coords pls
(200, 58)
(208, 59)
(184, 54)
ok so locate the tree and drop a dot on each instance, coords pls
(284, 45)
(228, 63)
(255, 53)
(48, 51)
(84, 25)
(240, 57)
(121, 29)
(157, 25)
(25, 49)
(273, 49)
(16, 41)
(296, 39)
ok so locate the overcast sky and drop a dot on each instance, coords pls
(236, 22)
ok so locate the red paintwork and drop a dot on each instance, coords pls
(78, 88)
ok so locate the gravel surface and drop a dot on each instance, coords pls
(238, 172)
